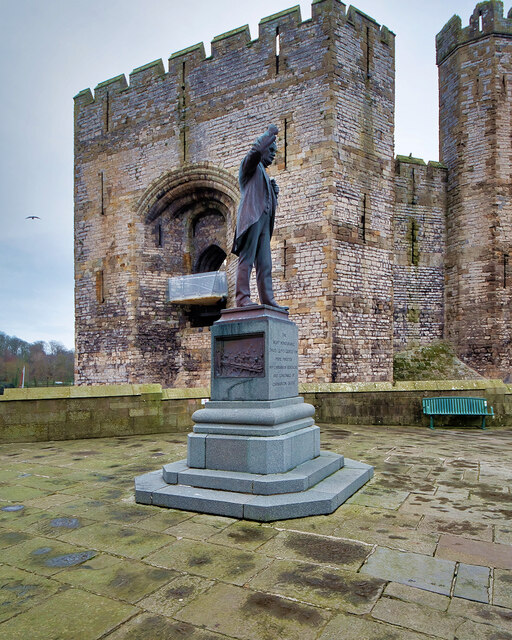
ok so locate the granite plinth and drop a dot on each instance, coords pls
(303, 476)
(253, 454)
(254, 355)
(246, 414)
(255, 451)
(321, 498)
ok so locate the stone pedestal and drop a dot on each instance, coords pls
(255, 450)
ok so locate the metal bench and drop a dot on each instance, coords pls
(456, 406)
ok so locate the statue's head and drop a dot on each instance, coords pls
(268, 157)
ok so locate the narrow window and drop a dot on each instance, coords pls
(285, 258)
(278, 49)
(183, 112)
(362, 220)
(285, 143)
(505, 270)
(480, 22)
(159, 235)
(368, 53)
(100, 288)
(102, 193)
(478, 87)
(107, 112)
(415, 254)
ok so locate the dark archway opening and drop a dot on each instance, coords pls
(211, 259)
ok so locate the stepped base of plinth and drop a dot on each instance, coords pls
(316, 487)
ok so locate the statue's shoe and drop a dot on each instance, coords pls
(246, 302)
(274, 304)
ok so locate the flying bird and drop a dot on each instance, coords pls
(32, 218)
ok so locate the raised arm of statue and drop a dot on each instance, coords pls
(258, 152)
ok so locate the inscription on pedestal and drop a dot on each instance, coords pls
(240, 357)
(283, 355)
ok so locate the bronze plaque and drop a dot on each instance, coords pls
(240, 357)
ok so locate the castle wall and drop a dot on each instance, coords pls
(133, 141)
(419, 249)
(370, 255)
(363, 154)
(475, 66)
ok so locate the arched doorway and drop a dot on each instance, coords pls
(188, 216)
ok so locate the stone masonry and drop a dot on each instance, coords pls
(363, 243)
(418, 268)
(475, 74)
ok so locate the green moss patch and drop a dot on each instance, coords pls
(436, 361)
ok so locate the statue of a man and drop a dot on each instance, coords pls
(255, 221)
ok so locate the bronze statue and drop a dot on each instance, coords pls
(255, 221)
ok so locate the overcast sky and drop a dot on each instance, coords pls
(52, 49)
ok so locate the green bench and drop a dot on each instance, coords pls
(456, 406)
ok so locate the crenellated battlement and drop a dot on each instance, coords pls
(418, 161)
(284, 23)
(487, 19)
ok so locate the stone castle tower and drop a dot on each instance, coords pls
(361, 249)
(156, 196)
(475, 88)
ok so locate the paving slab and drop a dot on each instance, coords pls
(72, 614)
(379, 497)
(175, 595)
(43, 556)
(118, 578)
(245, 534)
(503, 534)
(472, 583)
(475, 552)
(163, 519)
(149, 626)
(502, 595)
(311, 524)
(482, 613)
(470, 630)
(419, 596)
(54, 525)
(467, 528)
(123, 541)
(344, 627)
(9, 538)
(387, 534)
(18, 493)
(48, 502)
(417, 618)
(413, 569)
(20, 590)
(253, 615)
(317, 549)
(327, 587)
(209, 560)
(199, 526)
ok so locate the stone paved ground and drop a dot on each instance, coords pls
(423, 551)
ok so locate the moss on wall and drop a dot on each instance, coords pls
(436, 361)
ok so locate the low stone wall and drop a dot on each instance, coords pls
(67, 413)
(400, 404)
(50, 413)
